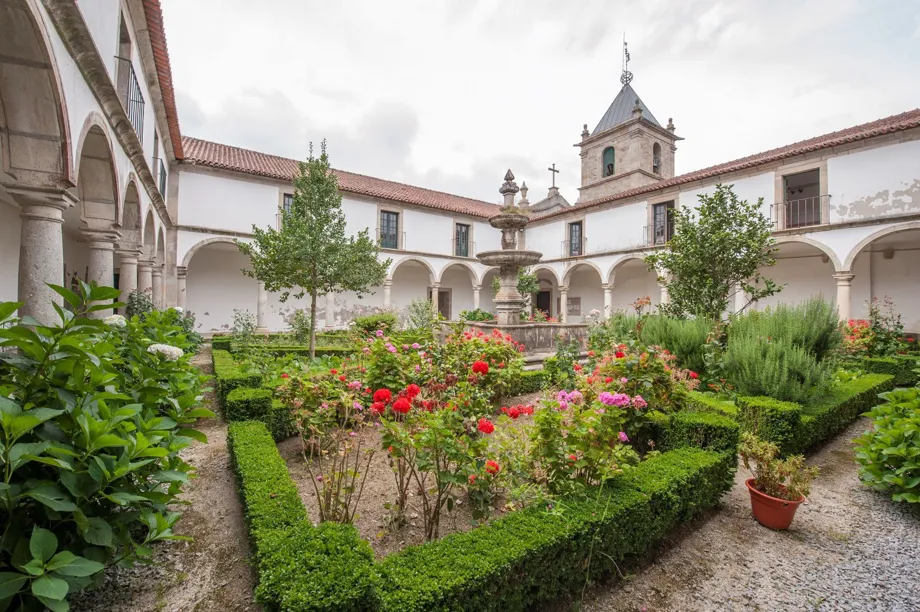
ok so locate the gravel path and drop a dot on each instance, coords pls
(848, 549)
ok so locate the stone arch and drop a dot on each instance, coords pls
(131, 215)
(431, 274)
(611, 273)
(35, 144)
(829, 252)
(566, 277)
(149, 243)
(187, 259)
(97, 177)
(855, 251)
(550, 270)
(474, 277)
(161, 248)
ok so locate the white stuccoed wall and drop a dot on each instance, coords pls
(617, 228)
(749, 188)
(877, 182)
(225, 203)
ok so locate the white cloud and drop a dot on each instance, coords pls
(448, 95)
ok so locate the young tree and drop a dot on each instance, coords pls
(311, 253)
(716, 249)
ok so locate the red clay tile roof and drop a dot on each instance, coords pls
(215, 155)
(888, 125)
(154, 16)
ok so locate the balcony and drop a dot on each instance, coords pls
(160, 169)
(129, 92)
(388, 239)
(463, 248)
(803, 212)
(575, 248)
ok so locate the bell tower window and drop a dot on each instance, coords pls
(656, 158)
(609, 162)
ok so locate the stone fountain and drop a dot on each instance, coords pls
(512, 219)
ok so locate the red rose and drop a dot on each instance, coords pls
(492, 467)
(694, 375)
(285, 375)
(573, 457)
(472, 478)
(577, 367)
(342, 378)
(383, 395)
(333, 371)
(514, 412)
(378, 407)
(486, 426)
(480, 367)
(608, 380)
(413, 390)
(620, 354)
(527, 409)
(502, 364)
(402, 406)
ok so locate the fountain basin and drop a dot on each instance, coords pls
(509, 220)
(501, 258)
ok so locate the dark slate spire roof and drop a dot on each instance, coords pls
(621, 110)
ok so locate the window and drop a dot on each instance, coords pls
(662, 222)
(126, 83)
(462, 240)
(802, 198)
(609, 161)
(575, 239)
(287, 200)
(656, 158)
(389, 229)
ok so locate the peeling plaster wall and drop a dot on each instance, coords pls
(879, 182)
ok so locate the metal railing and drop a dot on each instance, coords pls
(391, 240)
(803, 212)
(129, 92)
(576, 249)
(461, 248)
(160, 169)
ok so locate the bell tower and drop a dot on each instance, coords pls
(628, 148)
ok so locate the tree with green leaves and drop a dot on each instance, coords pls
(312, 253)
(717, 250)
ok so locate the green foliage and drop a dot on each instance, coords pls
(603, 334)
(708, 430)
(243, 331)
(889, 453)
(686, 338)
(300, 568)
(559, 369)
(529, 381)
(477, 314)
(885, 327)
(902, 367)
(717, 247)
(703, 402)
(301, 326)
(368, 324)
(230, 375)
(139, 304)
(535, 555)
(774, 367)
(812, 325)
(422, 317)
(91, 425)
(170, 327)
(312, 253)
(247, 404)
(787, 479)
(772, 420)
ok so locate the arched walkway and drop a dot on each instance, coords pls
(216, 285)
(585, 293)
(631, 279)
(410, 279)
(547, 299)
(456, 290)
(806, 269)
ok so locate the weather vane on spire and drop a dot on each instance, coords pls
(627, 76)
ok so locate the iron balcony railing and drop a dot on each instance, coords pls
(391, 240)
(576, 248)
(803, 212)
(160, 169)
(129, 92)
(463, 248)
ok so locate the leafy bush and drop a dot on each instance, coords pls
(686, 338)
(301, 326)
(620, 327)
(715, 432)
(93, 418)
(902, 367)
(369, 324)
(421, 316)
(560, 369)
(889, 453)
(787, 479)
(812, 325)
(139, 304)
(774, 367)
(477, 314)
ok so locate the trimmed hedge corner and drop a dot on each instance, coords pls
(299, 567)
(230, 376)
(900, 366)
(530, 381)
(512, 563)
(706, 430)
(796, 428)
(700, 402)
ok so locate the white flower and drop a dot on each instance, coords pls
(115, 320)
(179, 309)
(170, 353)
(595, 312)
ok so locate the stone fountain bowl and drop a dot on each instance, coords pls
(509, 221)
(500, 258)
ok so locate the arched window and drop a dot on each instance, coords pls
(608, 164)
(656, 158)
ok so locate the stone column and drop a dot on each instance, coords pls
(262, 309)
(330, 310)
(387, 286)
(563, 304)
(434, 296)
(157, 286)
(608, 299)
(101, 245)
(127, 276)
(41, 251)
(145, 277)
(476, 289)
(665, 298)
(181, 276)
(844, 283)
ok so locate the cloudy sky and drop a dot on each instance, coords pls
(449, 94)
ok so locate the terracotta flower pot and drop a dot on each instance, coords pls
(769, 511)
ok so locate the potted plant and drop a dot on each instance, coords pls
(778, 485)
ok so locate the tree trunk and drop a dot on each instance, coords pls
(313, 324)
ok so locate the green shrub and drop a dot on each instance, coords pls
(92, 425)
(813, 325)
(701, 430)
(771, 420)
(368, 324)
(774, 367)
(528, 557)
(702, 402)
(530, 381)
(477, 314)
(247, 404)
(230, 375)
(299, 567)
(686, 338)
(902, 367)
(889, 454)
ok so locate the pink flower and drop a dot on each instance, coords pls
(624, 437)
(379, 333)
(624, 380)
(639, 402)
(416, 345)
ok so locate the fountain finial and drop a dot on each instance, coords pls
(508, 189)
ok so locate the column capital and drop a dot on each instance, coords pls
(181, 271)
(54, 198)
(146, 263)
(157, 271)
(607, 286)
(101, 239)
(564, 289)
(477, 287)
(435, 285)
(844, 278)
(387, 283)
